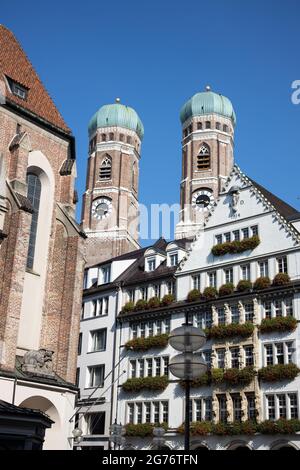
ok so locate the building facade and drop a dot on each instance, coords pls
(41, 252)
(237, 278)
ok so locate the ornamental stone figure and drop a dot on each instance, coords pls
(215, 408)
(214, 316)
(38, 362)
(213, 358)
(241, 358)
(256, 311)
(242, 312)
(244, 407)
(227, 314)
(229, 407)
(235, 197)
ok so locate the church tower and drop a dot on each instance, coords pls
(110, 202)
(208, 121)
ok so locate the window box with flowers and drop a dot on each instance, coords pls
(236, 246)
(137, 384)
(224, 376)
(143, 344)
(262, 283)
(281, 279)
(167, 299)
(210, 293)
(194, 295)
(143, 429)
(278, 372)
(228, 331)
(280, 324)
(244, 286)
(226, 289)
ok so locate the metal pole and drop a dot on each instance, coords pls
(187, 417)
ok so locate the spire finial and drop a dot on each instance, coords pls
(118, 100)
(207, 88)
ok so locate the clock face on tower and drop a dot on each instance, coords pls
(101, 208)
(202, 200)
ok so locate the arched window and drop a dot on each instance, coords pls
(105, 169)
(203, 160)
(34, 196)
(133, 176)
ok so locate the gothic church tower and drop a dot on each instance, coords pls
(110, 202)
(208, 120)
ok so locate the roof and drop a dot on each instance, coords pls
(15, 65)
(9, 408)
(287, 211)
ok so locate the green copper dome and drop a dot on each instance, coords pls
(116, 114)
(207, 102)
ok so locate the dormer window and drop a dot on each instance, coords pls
(18, 90)
(173, 259)
(105, 274)
(151, 264)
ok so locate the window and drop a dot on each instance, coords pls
(158, 327)
(221, 358)
(106, 271)
(156, 412)
(96, 423)
(94, 308)
(271, 406)
(237, 408)
(34, 195)
(227, 237)
(17, 90)
(218, 126)
(131, 295)
(207, 125)
(133, 369)
(293, 405)
(225, 128)
(245, 232)
(141, 368)
(147, 407)
(167, 325)
(150, 328)
(196, 281)
(98, 340)
(199, 126)
(251, 410)
(77, 379)
(219, 239)
(236, 235)
(207, 357)
(151, 265)
(222, 409)
(190, 129)
(144, 293)
(129, 140)
(103, 306)
(267, 308)
(228, 275)
(171, 287)
(121, 137)
(203, 159)
(235, 314)
(111, 136)
(130, 412)
(157, 290)
(282, 264)
(96, 376)
(282, 405)
(278, 308)
(166, 365)
(279, 353)
(103, 137)
(212, 279)
(289, 352)
(79, 344)
(105, 169)
(142, 329)
(157, 366)
(254, 230)
(234, 352)
(203, 320)
(288, 303)
(134, 330)
(249, 359)
(249, 312)
(245, 270)
(221, 316)
(263, 268)
(149, 368)
(174, 259)
(207, 409)
(269, 354)
(139, 413)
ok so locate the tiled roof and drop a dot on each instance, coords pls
(15, 65)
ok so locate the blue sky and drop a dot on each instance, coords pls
(155, 55)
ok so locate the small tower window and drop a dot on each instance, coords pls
(190, 129)
(225, 128)
(105, 169)
(199, 126)
(34, 195)
(122, 137)
(207, 125)
(218, 126)
(103, 137)
(128, 139)
(111, 136)
(203, 160)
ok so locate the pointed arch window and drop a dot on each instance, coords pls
(105, 169)
(34, 196)
(203, 159)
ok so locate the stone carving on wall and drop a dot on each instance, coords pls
(235, 198)
(38, 362)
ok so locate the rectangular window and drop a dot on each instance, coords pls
(228, 275)
(82, 311)
(282, 264)
(94, 308)
(227, 237)
(237, 408)
(149, 368)
(207, 125)
(133, 369)
(293, 405)
(174, 259)
(103, 137)
(271, 407)
(269, 354)
(289, 352)
(263, 268)
(134, 329)
(131, 295)
(165, 412)
(144, 293)
(221, 316)
(222, 409)
(147, 412)
(158, 327)
(171, 287)
(289, 307)
(166, 365)
(79, 344)
(198, 410)
(254, 230)
(106, 270)
(157, 290)
(141, 367)
(96, 423)
(235, 314)
(156, 412)
(103, 306)
(282, 406)
(249, 312)
(249, 358)
(77, 379)
(199, 126)
(251, 410)
(245, 232)
(267, 308)
(196, 281)
(130, 411)
(98, 340)
(150, 328)
(279, 353)
(151, 264)
(167, 324)
(157, 366)
(245, 270)
(142, 329)
(207, 357)
(221, 358)
(219, 239)
(234, 352)
(207, 409)
(212, 279)
(236, 235)
(139, 413)
(96, 376)
(278, 308)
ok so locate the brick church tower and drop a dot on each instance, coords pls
(208, 121)
(110, 202)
